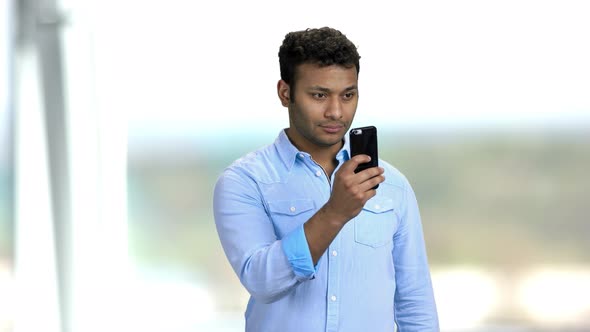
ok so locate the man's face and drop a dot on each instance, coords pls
(325, 101)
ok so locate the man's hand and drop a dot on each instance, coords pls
(352, 190)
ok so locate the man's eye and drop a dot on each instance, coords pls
(348, 95)
(318, 95)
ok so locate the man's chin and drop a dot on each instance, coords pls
(331, 143)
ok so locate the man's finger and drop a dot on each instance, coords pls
(372, 182)
(370, 173)
(353, 163)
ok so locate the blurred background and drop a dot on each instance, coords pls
(116, 117)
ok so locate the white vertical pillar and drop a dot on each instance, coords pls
(36, 292)
(98, 164)
(7, 291)
(70, 183)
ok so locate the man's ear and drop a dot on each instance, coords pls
(284, 92)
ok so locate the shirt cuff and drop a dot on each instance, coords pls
(297, 251)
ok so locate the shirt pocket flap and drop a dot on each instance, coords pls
(379, 205)
(290, 207)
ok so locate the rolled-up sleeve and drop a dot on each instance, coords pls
(297, 251)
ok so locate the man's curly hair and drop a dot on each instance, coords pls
(324, 46)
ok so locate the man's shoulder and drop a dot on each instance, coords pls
(257, 164)
(255, 158)
(394, 176)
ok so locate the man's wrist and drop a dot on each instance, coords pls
(331, 216)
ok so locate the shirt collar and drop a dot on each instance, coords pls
(288, 152)
(344, 153)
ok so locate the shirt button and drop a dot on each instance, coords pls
(292, 209)
(377, 206)
(318, 173)
(301, 156)
(333, 298)
(334, 253)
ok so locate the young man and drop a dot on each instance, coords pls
(315, 246)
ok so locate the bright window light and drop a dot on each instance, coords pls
(165, 304)
(465, 297)
(557, 296)
(7, 299)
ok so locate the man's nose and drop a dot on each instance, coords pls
(334, 110)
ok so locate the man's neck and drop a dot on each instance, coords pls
(327, 157)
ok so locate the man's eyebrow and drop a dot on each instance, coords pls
(324, 89)
(319, 88)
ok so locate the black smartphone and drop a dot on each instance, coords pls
(363, 140)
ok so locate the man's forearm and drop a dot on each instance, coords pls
(320, 231)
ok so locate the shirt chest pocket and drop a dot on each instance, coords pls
(377, 223)
(286, 215)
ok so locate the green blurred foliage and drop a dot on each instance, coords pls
(504, 200)
(6, 215)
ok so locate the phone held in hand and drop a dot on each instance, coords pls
(363, 140)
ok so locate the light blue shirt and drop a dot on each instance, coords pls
(373, 276)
